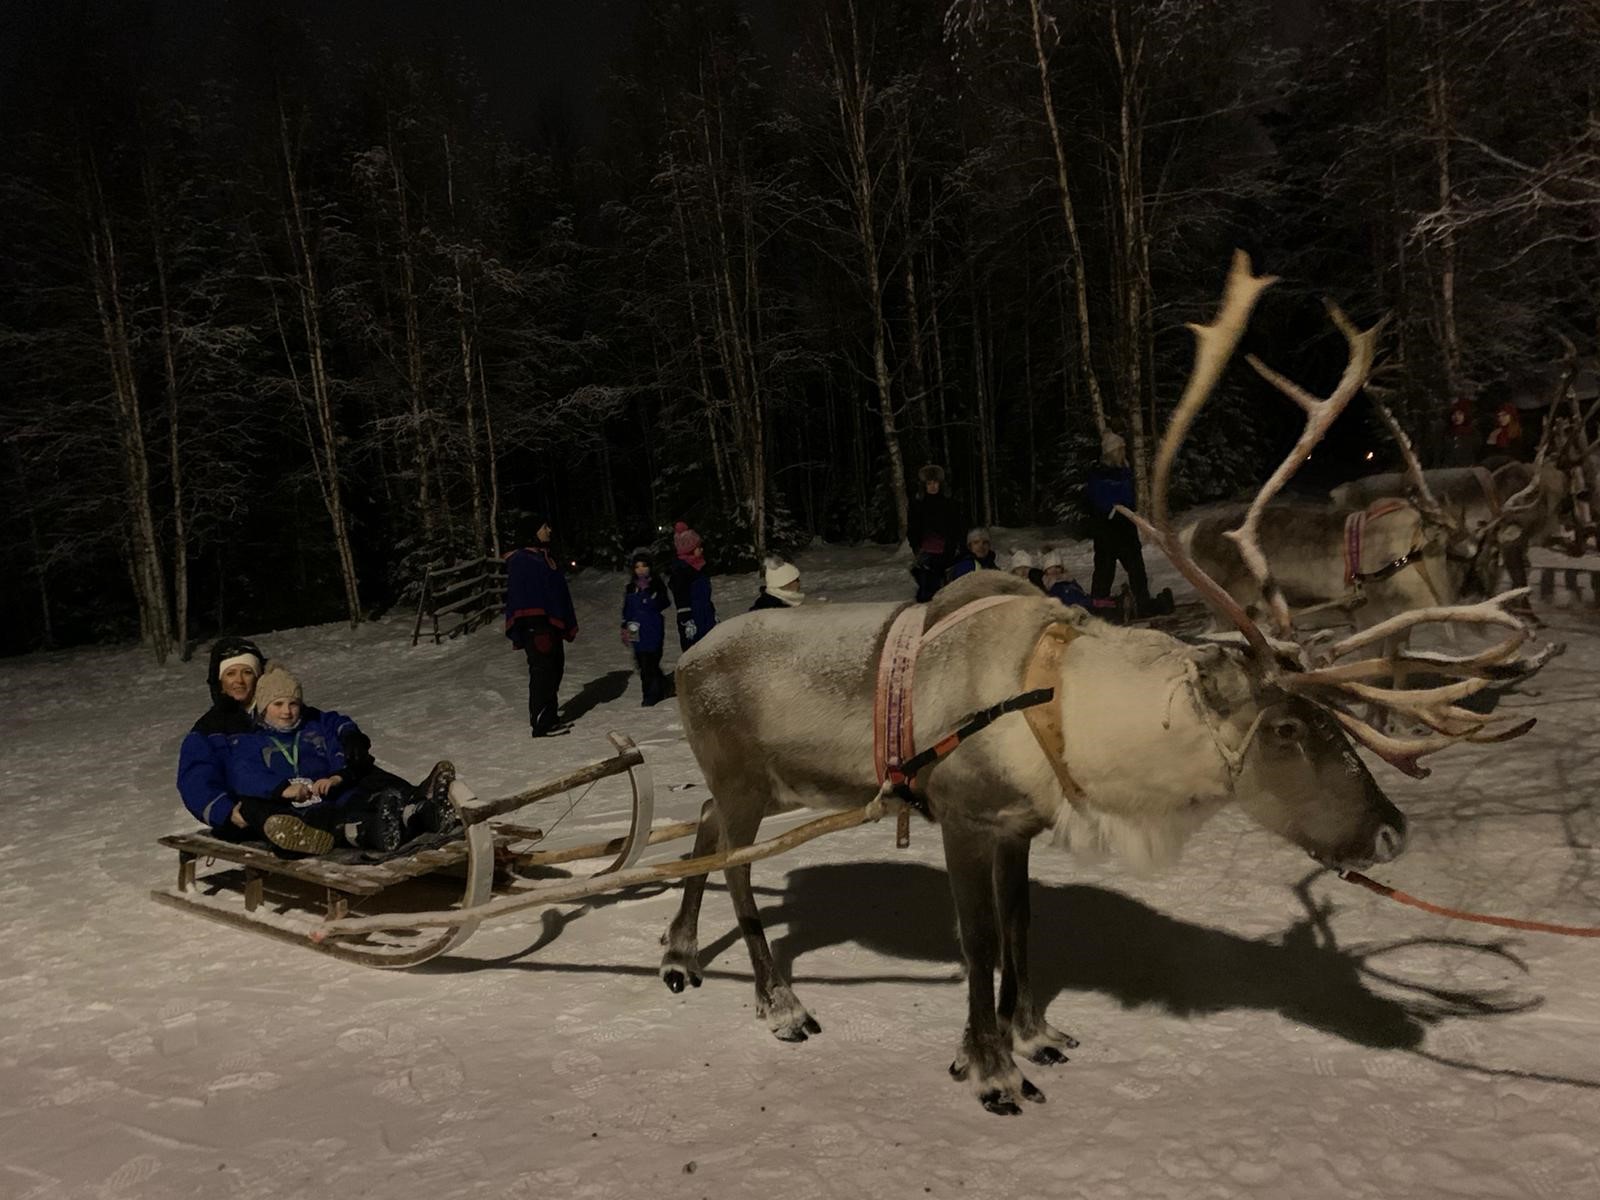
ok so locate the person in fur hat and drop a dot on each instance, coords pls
(539, 620)
(644, 630)
(780, 586)
(978, 556)
(305, 779)
(1116, 539)
(933, 528)
(691, 586)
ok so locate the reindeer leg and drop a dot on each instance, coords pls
(984, 1056)
(680, 964)
(775, 999)
(1020, 1020)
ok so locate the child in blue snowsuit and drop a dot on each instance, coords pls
(303, 776)
(644, 629)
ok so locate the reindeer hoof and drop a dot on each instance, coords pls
(958, 1070)
(1048, 1056)
(676, 979)
(1000, 1103)
(797, 1031)
(1029, 1092)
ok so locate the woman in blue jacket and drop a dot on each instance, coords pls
(644, 629)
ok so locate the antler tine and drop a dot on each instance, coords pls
(1409, 700)
(1425, 498)
(1400, 753)
(1214, 346)
(1320, 414)
(1485, 612)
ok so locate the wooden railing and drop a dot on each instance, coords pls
(459, 598)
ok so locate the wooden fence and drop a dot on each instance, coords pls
(459, 598)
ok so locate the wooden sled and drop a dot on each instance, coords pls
(486, 854)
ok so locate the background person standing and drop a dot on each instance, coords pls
(539, 620)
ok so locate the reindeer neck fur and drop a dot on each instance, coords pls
(1181, 714)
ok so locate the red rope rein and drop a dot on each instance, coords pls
(1383, 889)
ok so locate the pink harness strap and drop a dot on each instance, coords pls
(1354, 527)
(893, 740)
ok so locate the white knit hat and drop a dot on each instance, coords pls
(1052, 558)
(1020, 560)
(780, 574)
(242, 659)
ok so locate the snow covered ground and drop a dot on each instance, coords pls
(1250, 1027)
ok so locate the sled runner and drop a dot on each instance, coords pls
(280, 895)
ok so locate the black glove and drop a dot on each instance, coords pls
(357, 753)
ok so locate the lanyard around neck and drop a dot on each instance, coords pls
(293, 757)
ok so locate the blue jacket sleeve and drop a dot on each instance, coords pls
(203, 778)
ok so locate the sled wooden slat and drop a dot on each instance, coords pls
(356, 879)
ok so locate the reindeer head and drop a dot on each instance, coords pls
(1296, 771)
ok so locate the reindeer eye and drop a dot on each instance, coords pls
(1289, 730)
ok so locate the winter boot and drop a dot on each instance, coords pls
(383, 828)
(434, 813)
(288, 832)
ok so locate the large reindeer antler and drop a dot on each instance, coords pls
(1214, 347)
(1283, 661)
(1320, 416)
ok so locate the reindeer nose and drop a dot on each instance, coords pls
(1389, 843)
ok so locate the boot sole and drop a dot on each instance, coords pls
(293, 834)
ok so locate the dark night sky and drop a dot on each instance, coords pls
(530, 55)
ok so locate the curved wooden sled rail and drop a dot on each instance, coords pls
(482, 843)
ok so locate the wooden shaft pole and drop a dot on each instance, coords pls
(544, 858)
(475, 811)
(565, 890)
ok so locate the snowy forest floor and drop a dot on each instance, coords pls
(1251, 1027)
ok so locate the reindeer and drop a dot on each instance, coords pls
(1142, 738)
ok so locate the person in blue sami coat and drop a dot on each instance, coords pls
(539, 621)
(691, 586)
(644, 629)
(1116, 539)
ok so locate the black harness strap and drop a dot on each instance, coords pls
(1388, 569)
(974, 723)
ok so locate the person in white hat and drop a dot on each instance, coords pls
(780, 586)
(979, 555)
(1059, 584)
(1020, 564)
